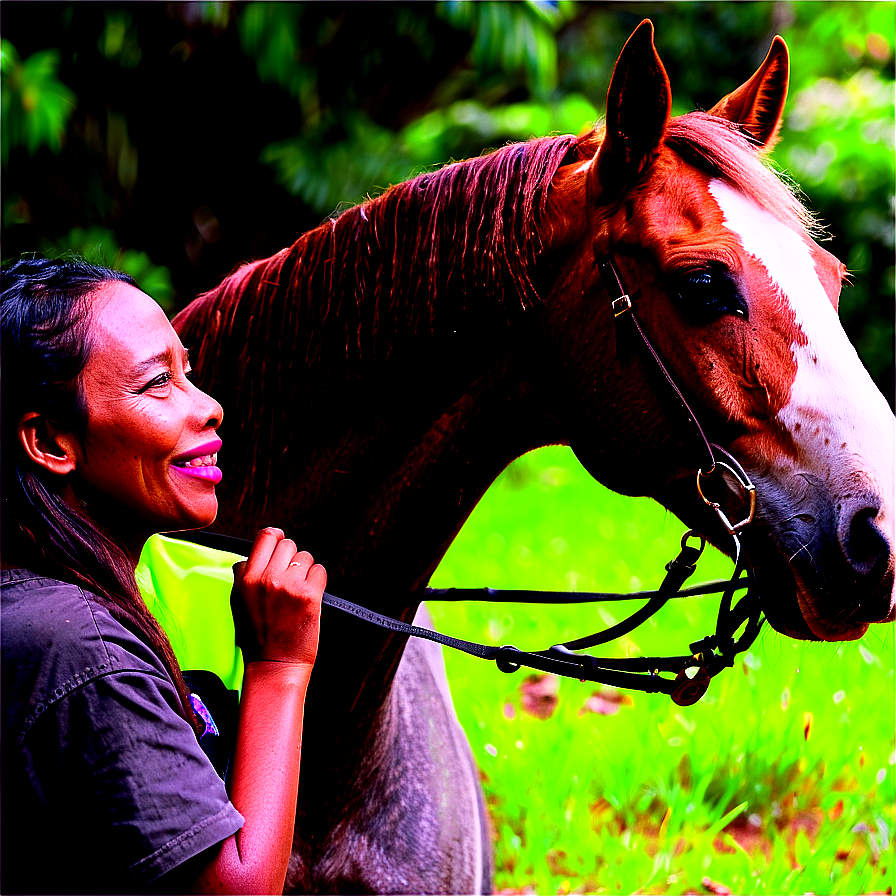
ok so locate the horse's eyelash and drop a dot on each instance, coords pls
(712, 268)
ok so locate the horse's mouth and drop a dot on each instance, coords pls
(829, 630)
(800, 618)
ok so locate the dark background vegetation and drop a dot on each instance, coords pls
(177, 140)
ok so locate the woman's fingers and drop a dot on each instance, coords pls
(316, 577)
(301, 563)
(266, 543)
(276, 600)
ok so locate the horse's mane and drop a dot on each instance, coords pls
(420, 257)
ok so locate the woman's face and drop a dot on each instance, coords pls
(148, 459)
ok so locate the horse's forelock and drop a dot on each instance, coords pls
(721, 149)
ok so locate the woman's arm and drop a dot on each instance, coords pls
(264, 782)
(277, 595)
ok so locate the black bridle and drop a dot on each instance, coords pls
(706, 657)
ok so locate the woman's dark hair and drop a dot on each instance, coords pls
(46, 343)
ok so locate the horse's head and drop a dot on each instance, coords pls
(741, 304)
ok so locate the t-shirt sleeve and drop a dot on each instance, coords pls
(135, 779)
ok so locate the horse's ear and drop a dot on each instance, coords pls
(638, 105)
(757, 105)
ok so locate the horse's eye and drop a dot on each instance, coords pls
(706, 293)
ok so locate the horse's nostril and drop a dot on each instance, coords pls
(864, 545)
(867, 550)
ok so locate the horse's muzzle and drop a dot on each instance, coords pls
(824, 568)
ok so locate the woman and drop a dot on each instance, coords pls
(105, 441)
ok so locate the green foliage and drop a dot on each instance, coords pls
(838, 143)
(269, 33)
(119, 41)
(323, 173)
(341, 155)
(36, 105)
(434, 135)
(99, 245)
(512, 37)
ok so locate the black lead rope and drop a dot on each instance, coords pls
(705, 660)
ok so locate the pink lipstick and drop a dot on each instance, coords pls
(201, 462)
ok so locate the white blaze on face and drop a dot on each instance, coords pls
(833, 397)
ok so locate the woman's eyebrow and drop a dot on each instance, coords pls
(163, 357)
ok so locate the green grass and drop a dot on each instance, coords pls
(781, 780)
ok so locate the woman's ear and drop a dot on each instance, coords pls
(47, 444)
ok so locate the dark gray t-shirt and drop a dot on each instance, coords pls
(103, 785)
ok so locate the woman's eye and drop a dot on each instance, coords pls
(704, 294)
(157, 382)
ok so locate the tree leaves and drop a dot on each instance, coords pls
(36, 105)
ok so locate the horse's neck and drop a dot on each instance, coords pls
(372, 373)
(370, 368)
(381, 502)
(383, 480)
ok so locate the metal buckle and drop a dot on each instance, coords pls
(688, 691)
(744, 482)
(621, 305)
(692, 534)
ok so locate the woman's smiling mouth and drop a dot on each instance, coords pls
(201, 463)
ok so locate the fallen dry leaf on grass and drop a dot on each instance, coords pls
(606, 702)
(539, 695)
(715, 887)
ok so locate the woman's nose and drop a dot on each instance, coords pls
(210, 410)
(216, 414)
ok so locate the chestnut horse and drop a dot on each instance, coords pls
(379, 373)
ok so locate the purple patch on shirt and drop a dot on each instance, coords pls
(202, 712)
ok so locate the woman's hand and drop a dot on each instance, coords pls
(276, 601)
(276, 608)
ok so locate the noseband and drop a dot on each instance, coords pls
(705, 658)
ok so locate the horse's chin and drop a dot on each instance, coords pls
(816, 629)
(827, 629)
(800, 620)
